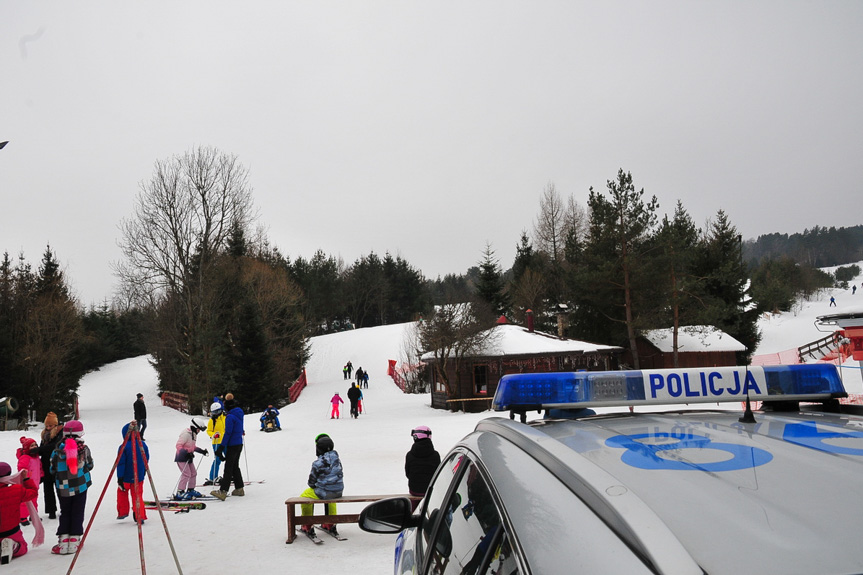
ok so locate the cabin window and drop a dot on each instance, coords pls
(480, 379)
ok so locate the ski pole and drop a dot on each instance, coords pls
(246, 457)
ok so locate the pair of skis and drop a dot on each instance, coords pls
(244, 482)
(331, 532)
(175, 505)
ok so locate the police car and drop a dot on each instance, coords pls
(644, 487)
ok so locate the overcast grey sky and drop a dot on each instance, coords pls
(425, 129)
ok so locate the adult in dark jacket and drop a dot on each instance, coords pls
(354, 395)
(230, 450)
(420, 462)
(51, 436)
(140, 414)
(126, 467)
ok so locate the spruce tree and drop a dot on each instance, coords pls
(719, 261)
(611, 284)
(491, 287)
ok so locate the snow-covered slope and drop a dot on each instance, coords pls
(247, 534)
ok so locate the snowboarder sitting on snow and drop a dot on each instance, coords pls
(270, 414)
(133, 458)
(420, 463)
(336, 400)
(186, 449)
(326, 481)
(15, 490)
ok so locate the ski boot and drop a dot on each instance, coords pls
(192, 494)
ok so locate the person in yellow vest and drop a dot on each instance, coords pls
(215, 429)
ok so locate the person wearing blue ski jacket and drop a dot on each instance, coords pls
(230, 450)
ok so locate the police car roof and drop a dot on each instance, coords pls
(699, 490)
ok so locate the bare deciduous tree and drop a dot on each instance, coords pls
(183, 214)
(183, 218)
(454, 332)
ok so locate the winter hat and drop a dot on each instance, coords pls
(51, 419)
(229, 397)
(323, 443)
(139, 396)
(5, 469)
(73, 428)
(27, 444)
(421, 432)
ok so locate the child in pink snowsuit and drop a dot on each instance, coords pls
(336, 400)
(28, 458)
(186, 449)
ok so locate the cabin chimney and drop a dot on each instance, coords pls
(529, 314)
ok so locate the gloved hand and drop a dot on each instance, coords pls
(206, 453)
(220, 453)
(120, 484)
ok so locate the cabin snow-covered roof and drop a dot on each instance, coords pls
(693, 338)
(509, 339)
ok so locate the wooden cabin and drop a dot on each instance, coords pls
(513, 349)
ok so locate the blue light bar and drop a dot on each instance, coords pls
(530, 391)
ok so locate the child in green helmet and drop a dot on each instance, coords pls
(326, 480)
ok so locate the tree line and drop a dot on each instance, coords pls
(220, 309)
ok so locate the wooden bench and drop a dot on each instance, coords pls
(294, 519)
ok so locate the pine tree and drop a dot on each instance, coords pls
(677, 239)
(491, 286)
(617, 264)
(720, 263)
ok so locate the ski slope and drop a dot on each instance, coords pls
(247, 534)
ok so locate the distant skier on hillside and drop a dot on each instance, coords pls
(832, 301)
(336, 400)
(354, 395)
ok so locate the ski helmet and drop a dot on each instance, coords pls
(73, 428)
(198, 424)
(421, 432)
(216, 408)
(323, 443)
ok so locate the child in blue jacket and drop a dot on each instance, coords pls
(134, 458)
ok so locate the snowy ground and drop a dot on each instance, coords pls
(248, 534)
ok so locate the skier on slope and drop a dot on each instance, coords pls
(133, 458)
(354, 395)
(71, 463)
(184, 457)
(336, 400)
(215, 429)
(231, 449)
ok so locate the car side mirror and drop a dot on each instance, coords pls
(387, 516)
